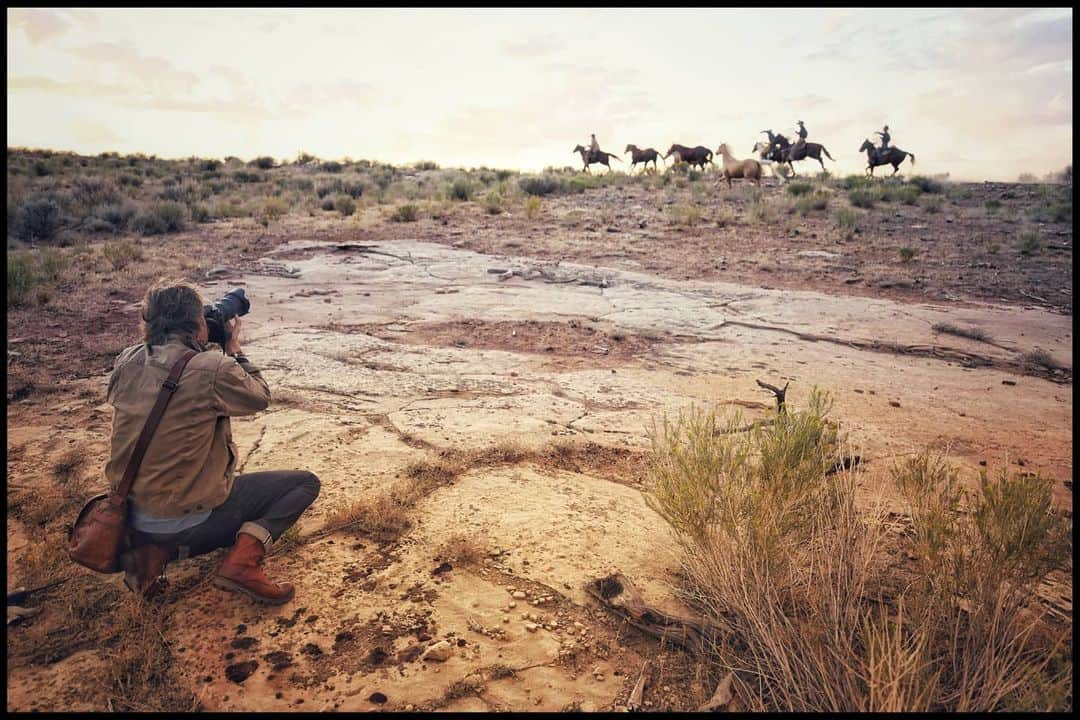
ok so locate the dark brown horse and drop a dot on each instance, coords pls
(642, 156)
(790, 153)
(892, 156)
(695, 156)
(589, 158)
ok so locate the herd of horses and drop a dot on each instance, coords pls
(778, 151)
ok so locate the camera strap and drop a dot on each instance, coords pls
(164, 395)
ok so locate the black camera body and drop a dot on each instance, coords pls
(231, 305)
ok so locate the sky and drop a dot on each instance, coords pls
(981, 94)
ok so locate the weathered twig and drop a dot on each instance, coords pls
(722, 696)
(780, 394)
(617, 593)
(634, 703)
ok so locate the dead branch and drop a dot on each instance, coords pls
(721, 697)
(636, 695)
(780, 394)
(371, 250)
(617, 594)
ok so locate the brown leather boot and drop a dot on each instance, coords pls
(144, 568)
(240, 571)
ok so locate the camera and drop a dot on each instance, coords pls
(232, 304)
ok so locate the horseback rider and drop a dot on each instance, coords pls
(884, 139)
(594, 147)
(801, 142)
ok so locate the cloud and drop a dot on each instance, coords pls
(534, 47)
(41, 25)
(155, 74)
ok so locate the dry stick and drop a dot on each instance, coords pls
(780, 394)
(1033, 297)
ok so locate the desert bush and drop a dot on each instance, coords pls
(130, 179)
(22, 278)
(1058, 212)
(809, 203)
(273, 208)
(51, 263)
(160, 219)
(426, 165)
(327, 203)
(39, 219)
(493, 203)
(209, 165)
(331, 167)
(243, 176)
(846, 221)
(263, 163)
(908, 195)
(353, 189)
(992, 205)
(933, 204)
(120, 254)
(927, 185)
(334, 186)
(344, 205)
(539, 185)
(684, 215)
(89, 192)
(460, 190)
(799, 188)
(405, 213)
(532, 207)
(118, 215)
(907, 254)
(1028, 243)
(797, 581)
(862, 198)
(199, 213)
(854, 182)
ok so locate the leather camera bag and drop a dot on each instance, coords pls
(100, 533)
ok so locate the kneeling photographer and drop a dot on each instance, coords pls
(185, 498)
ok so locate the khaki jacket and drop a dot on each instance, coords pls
(190, 462)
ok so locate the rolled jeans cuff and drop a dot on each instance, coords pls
(257, 531)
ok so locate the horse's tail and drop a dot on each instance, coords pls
(827, 153)
(912, 157)
(613, 155)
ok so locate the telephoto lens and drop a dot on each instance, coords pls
(231, 305)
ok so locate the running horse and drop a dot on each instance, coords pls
(599, 157)
(892, 156)
(645, 156)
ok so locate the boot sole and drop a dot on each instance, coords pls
(232, 586)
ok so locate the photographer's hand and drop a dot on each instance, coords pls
(232, 347)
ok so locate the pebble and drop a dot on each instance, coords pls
(511, 604)
(506, 619)
(531, 627)
(519, 595)
(439, 652)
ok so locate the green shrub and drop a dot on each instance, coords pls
(405, 213)
(817, 202)
(846, 221)
(907, 254)
(927, 185)
(331, 167)
(933, 204)
(532, 207)
(992, 205)
(209, 165)
(39, 219)
(493, 203)
(120, 254)
(539, 185)
(263, 163)
(460, 190)
(345, 205)
(1029, 243)
(908, 195)
(89, 192)
(273, 208)
(52, 262)
(855, 182)
(117, 215)
(862, 198)
(243, 176)
(172, 214)
(327, 203)
(22, 278)
(149, 223)
(799, 188)
(199, 213)
(426, 165)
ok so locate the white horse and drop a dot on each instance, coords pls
(762, 150)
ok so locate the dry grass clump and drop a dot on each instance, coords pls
(777, 555)
(973, 333)
(460, 549)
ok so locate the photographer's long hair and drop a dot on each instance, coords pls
(171, 307)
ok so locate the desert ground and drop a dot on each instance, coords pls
(504, 358)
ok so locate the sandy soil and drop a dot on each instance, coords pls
(385, 344)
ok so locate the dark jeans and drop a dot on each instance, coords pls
(274, 500)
